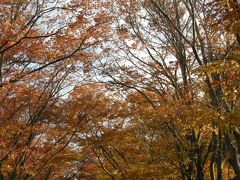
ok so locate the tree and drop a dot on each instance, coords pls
(174, 55)
(119, 89)
(42, 45)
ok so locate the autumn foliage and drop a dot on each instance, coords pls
(122, 89)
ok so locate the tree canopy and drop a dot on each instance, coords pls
(121, 89)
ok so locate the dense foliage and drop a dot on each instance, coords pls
(123, 89)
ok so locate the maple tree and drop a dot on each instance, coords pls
(119, 89)
(42, 45)
(184, 64)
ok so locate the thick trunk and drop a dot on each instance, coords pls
(219, 168)
(234, 154)
(200, 175)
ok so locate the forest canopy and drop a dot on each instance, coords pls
(120, 89)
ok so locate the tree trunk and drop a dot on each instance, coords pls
(234, 156)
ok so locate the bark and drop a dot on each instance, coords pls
(234, 155)
(212, 173)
